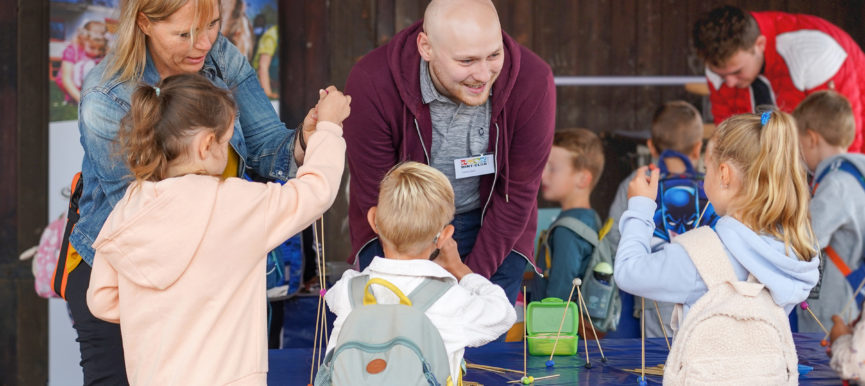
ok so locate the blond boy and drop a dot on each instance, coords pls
(412, 220)
(826, 129)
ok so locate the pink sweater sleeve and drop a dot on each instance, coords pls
(102, 293)
(300, 201)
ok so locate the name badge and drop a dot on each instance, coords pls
(474, 166)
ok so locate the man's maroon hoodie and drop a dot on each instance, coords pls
(389, 123)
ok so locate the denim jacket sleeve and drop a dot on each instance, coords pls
(104, 174)
(269, 144)
(99, 124)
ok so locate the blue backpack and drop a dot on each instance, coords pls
(854, 277)
(682, 203)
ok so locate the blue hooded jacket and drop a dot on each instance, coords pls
(668, 275)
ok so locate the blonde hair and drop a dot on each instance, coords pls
(415, 202)
(587, 152)
(676, 125)
(774, 196)
(829, 114)
(86, 33)
(130, 48)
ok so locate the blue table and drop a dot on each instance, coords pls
(291, 366)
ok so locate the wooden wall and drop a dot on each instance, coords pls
(23, 188)
(589, 37)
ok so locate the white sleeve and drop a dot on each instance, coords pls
(337, 300)
(848, 357)
(813, 57)
(473, 313)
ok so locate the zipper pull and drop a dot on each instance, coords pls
(507, 199)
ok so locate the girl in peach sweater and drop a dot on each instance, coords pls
(181, 259)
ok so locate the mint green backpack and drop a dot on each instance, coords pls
(388, 344)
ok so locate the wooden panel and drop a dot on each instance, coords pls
(23, 192)
(406, 12)
(385, 21)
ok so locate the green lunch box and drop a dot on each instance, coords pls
(542, 324)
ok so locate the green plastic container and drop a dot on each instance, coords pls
(542, 324)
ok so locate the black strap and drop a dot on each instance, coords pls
(71, 219)
(761, 92)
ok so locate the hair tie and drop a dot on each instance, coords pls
(764, 119)
(157, 92)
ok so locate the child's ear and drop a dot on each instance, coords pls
(584, 178)
(695, 152)
(445, 235)
(725, 173)
(205, 141)
(652, 150)
(813, 138)
(370, 217)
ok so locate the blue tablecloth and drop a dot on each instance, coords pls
(292, 366)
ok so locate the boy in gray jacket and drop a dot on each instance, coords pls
(826, 128)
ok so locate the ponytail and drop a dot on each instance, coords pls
(161, 119)
(774, 197)
(141, 145)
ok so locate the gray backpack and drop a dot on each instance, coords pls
(603, 303)
(388, 344)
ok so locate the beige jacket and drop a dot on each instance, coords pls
(180, 264)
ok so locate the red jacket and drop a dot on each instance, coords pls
(390, 123)
(803, 54)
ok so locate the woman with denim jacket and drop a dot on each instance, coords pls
(156, 39)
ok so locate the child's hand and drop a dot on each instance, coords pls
(840, 328)
(645, 186)
(334, 106)
(449, 258)
(307, 128)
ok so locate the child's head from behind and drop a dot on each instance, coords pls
(182, 125)
(677, 126)
(575, 164)
(825, 119)
(415, 202)
(754, 174)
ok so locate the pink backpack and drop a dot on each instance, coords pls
(45, 260)
(735, 334)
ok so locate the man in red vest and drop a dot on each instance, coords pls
(776, 58)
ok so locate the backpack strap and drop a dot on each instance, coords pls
(428, 292)
(356, 287)
(843, 165)
(705, 249)
(578, 227)
(662, 166)
(423, 296)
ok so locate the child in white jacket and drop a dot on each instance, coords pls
(412, 220)
(848, 341)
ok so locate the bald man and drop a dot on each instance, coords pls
(455, 92)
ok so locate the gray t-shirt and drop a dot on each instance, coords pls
(459, 131)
